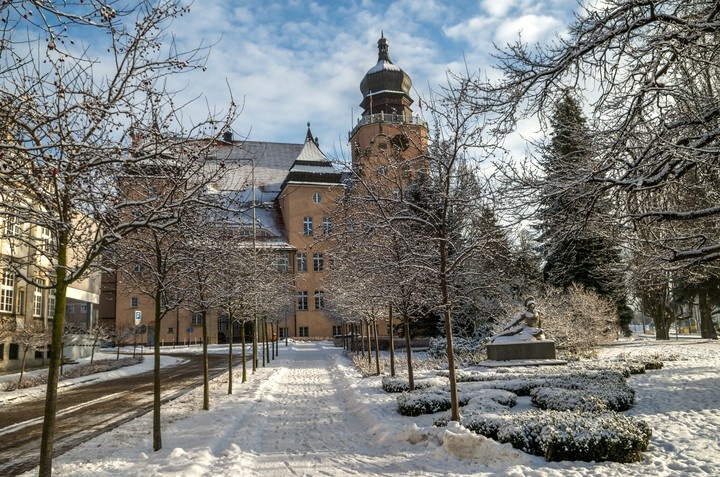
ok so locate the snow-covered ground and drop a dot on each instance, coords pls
(310, 413)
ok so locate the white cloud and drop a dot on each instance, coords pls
(530, 28)
(498, 8)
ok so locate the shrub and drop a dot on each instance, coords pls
(559, 435)
(427, 401)
(597, 391)
(399, 384)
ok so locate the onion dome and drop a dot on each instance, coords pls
(385, 85)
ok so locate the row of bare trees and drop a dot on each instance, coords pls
(625, 203)
(86, 108)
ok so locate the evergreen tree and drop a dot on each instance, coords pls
(576, 247)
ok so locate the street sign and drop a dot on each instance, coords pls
(138, 317)
(189, 330)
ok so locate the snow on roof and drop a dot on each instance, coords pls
(383, 65)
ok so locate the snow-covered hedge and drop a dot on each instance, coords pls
(578, 416)
(400, 384)
(427, 401)
(568, 435)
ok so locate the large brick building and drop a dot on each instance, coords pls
(294, 188)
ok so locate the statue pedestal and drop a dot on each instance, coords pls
(521, 350)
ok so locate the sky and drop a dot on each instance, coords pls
(309, 412)
(290, 62)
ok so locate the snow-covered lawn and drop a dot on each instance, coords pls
(310, 413)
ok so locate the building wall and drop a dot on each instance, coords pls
(297, 203)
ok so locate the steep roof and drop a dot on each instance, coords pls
(312, 166)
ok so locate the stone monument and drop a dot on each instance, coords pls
(522, 339)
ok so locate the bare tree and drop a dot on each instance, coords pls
(577, 319)
(74, 112)
(650, 70)
(30, 336)
(98, 332)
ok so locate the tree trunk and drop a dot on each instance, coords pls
(206, 371)
(22, 366)
(377, 348)
(157, 432)
(230, 354)
(408, 352)
(369, 343)
(92, 351)
(362, 340)
(392, 338)
(243, 352)
(707, 327)
(255, 343)
(662, 326)
(48, 429)
(454, 406)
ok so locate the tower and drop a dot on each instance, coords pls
(387, 136)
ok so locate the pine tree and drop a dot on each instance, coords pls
(576, 248)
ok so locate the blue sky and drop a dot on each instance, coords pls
(292, 61)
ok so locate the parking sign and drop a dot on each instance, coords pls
(138, 317)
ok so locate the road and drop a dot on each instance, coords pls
(91, 409)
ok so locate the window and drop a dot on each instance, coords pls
(317, 197)
(327, 225)
(318, 262)
(70, 309)
(2, 351)
(283, 263)
(283, 332)
(51, 303)
(171, 330)
(14, 351)
(7, 294)
(303, 331)
(134, 302)
(319, 299)
(337, 330)
(302, 297)
(21, 302)
(307, 226)
(83, 308)
(45, 239)
(138, 268)
(302, 262)
(196, 318)
(11, 226)
(37, 302)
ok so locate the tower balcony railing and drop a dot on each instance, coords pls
(387, 118)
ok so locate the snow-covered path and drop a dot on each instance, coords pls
(309, 413)
(303, 423)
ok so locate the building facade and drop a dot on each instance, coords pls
(291, 192)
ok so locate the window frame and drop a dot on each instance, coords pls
(318, 262)
(319, 299)
(302, 300)
(301, 259)
(7, 294)
(308, 226)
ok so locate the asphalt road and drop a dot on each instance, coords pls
(90, 410)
